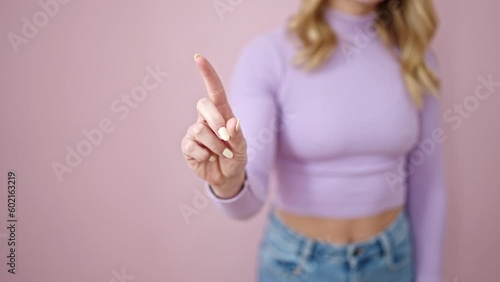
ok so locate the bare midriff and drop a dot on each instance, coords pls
(339, 231)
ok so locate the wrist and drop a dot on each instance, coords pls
(232, 188)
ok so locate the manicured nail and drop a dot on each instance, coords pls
(196, 56)
(211, 159)
(237, 128)
(227, 153)
(223, 133)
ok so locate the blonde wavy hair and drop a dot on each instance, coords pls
(410, 27)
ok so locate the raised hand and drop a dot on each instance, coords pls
(214, 146)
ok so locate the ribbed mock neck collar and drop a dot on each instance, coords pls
(346, 25)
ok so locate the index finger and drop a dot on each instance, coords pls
(214, 86)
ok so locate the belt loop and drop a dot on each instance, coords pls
(350, 251)
(352, 260)
(305, 252)
(387, 247)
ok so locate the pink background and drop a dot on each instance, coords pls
(119, 209)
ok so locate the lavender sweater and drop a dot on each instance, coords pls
(343, 141)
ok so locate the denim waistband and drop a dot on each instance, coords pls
(384, 241)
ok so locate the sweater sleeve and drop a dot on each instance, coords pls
(253, 100)
(426, 192)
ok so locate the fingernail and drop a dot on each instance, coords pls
(227, 153)
(237, 128)
(196, 56)
(211, 159)
(223, 133)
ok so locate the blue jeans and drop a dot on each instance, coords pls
(286, 255)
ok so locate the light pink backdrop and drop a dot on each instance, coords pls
(119, 209)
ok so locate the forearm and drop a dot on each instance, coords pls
(427, 213)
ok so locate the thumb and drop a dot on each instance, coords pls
(237, 140)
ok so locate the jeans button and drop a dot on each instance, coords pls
(358, 251)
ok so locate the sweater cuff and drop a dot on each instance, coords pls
(233, 199)
(243, 205)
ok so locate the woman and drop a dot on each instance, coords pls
(340, 106)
